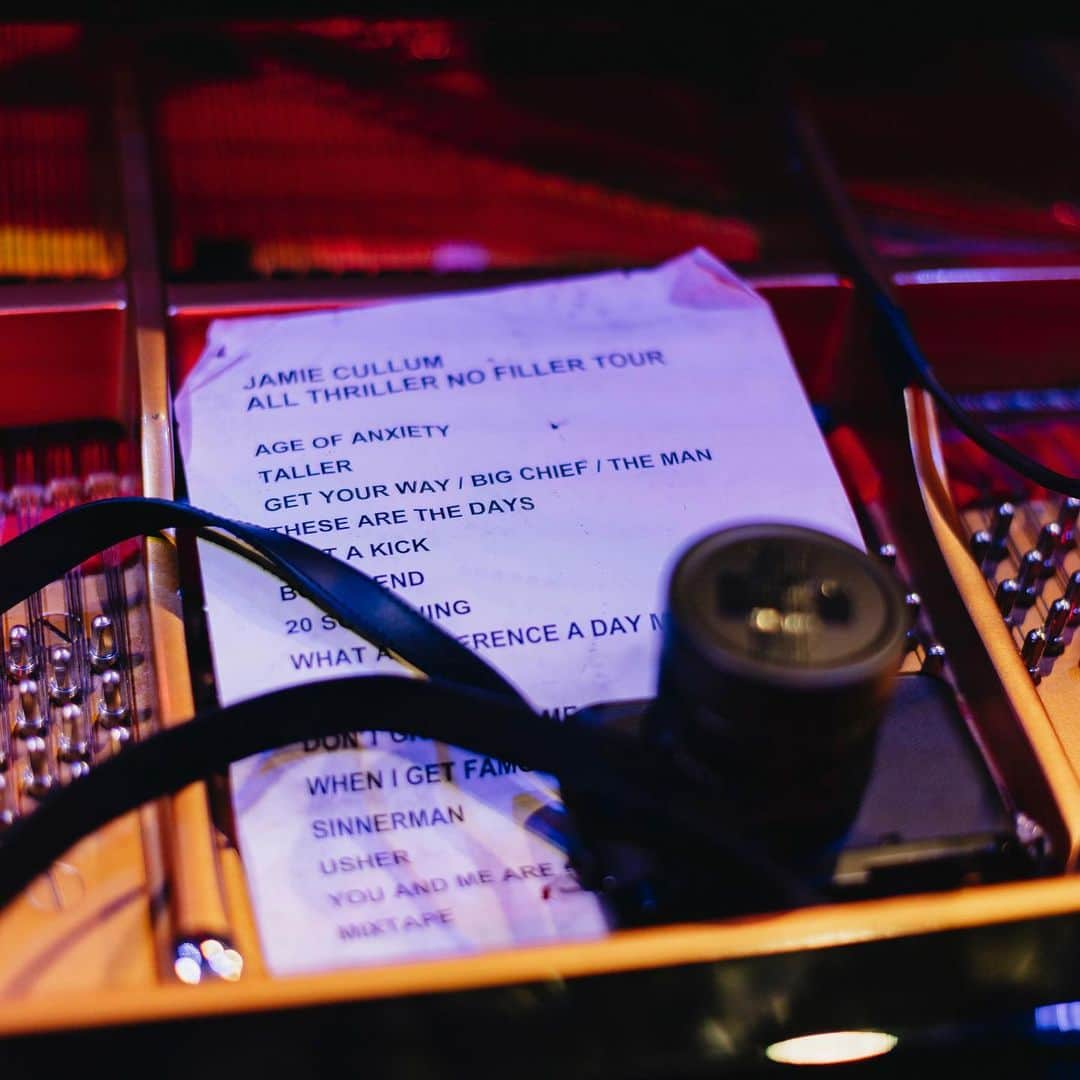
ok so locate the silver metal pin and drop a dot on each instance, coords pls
(39, 779)
(62, 684)
(1072, 594)
(103, 649)
(73, 743)
(1057, 619)
(119, 737)
(887, 553)
(1048, 545)
(8, 813)
(1029, 579)
(1007, 592)
(1032, 652)
(29, 720)
(999, 531)
(980, 545)
(1068, 512)
(21, 662)
(934, 660)
(113, 711)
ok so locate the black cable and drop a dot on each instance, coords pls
(870, 274)
(44, 553)
(465, 703)
(625, 773)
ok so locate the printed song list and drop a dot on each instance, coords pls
(522, 466)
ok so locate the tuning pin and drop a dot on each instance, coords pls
(8, 813)
(1072, 594)
(21, 662)
(103, 649)
(913, 603)
(999, 531)
(119, 737)
(1032, 652)
(1047, 546)
(1068, 512)
(62, 684)
(73, 743)
(29, 721)
(934, 660)
(887, 554)
(113, 711)
(39, 779)
(1029, 579)
(981, 543)
(1007, 592)
(1057, 619)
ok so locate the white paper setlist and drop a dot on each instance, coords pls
(521, 465)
